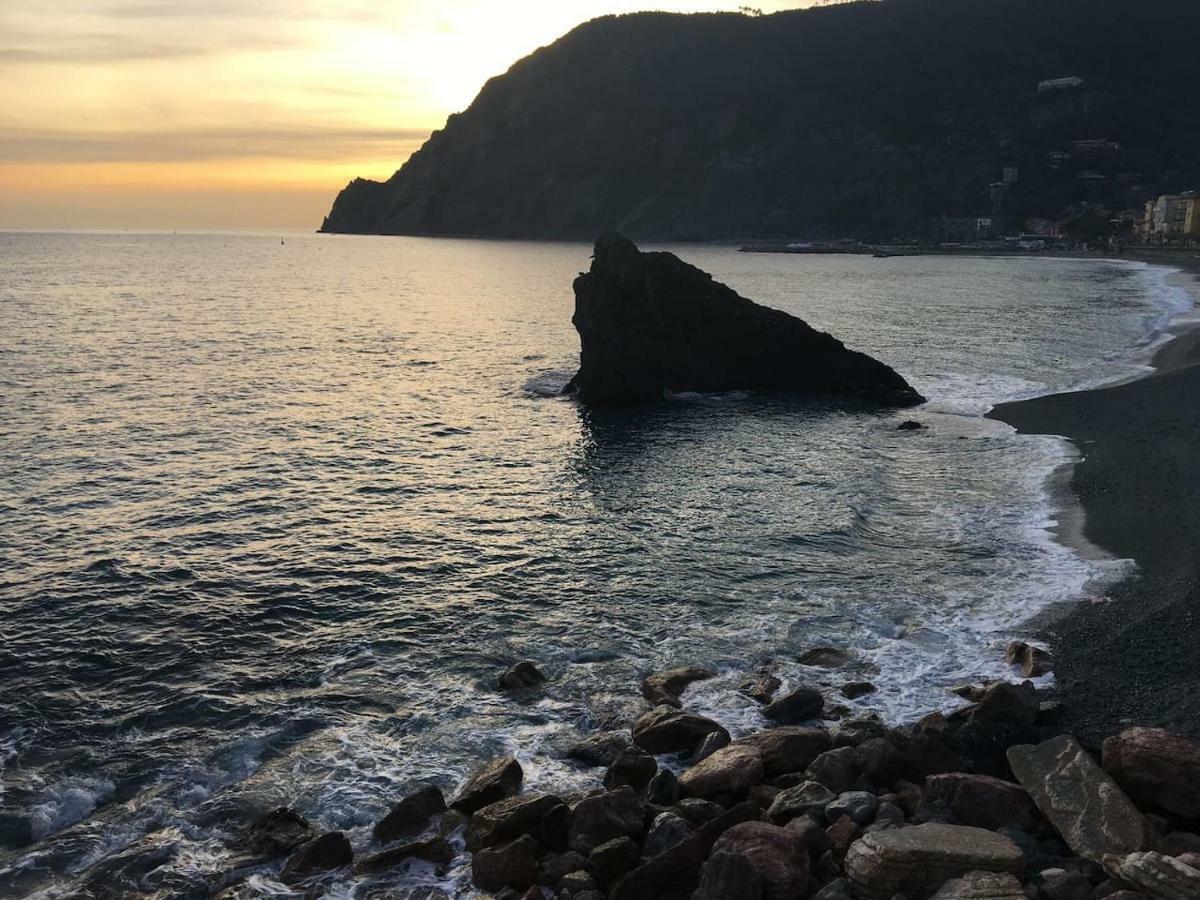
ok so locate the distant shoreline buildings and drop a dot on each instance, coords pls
(1171, 216)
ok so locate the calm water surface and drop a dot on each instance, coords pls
(273, 516)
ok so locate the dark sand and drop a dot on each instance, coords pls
(1134, 659)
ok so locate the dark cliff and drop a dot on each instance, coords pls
(649, 324)
(870, 118)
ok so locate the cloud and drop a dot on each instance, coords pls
(282, 142)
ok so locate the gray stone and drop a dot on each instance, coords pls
(729, 876)
(889, 814)
(917, 861)
(1159, 876)
(507, 820)
(553, 868)
(838, 889)
(435, 850)
(577, 884)
(1080, 799)
(984, 801)
(698, 811)
(732, 770)
(665, 832)
(826, 657)
(511, 865)
(761, 687)
(669, 730)
(716, 741)
(498, 779)
(1156, 768)
(277, 832)
(809, 798)
(605, 817)
(879, 760)
(633, 766)
(789, 749)
(329, 851)
(612, 859)
(599, 749)
(779, 856)
(836, 769)
(860, 806)
(982, 886)
(663, 789)
(411, 815)
(665, 688)
(521, 677)
(1033, 661)
(796, 706)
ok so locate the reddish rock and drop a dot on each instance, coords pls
(790, 749)
(668, 730)
(1156, 767)
(779, 856)
(732, 770)
(984, 801)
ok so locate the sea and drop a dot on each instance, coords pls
(275, 511)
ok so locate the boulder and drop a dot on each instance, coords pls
(1080, 799)
(605, 817)
(837, 769)
(879, 760)
(508, 819)
(1157, 875)
(665, 832)
(612, 859)
(411, 815)
(435, 850)
(826, 657)
(790, 749)
(663, 789)
(498, 779)
(807, 799)
(842, 834)
(838, 889)
(982, 886)
(813, 835)
(984, 801)
(1157, 768)
(512, 865)
(665, 688)
(556, 866)
(729, 876)
(860, 806)
(732, 770)
(852, 690)
(1033, 661)
(699, 811)
(668, 730)
(277, 832)
(599, 749)
(800, 705)
(779, 856)
(917, 861)
(710, 745)
(329, 851)
(649, 323)
(761, 687)
(633, 766)
(521, 677)
(577, 885)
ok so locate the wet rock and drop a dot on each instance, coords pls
(812, 833)
(676, 871)
(855, 731)
(1159, 876)
(789, 749)
(1080, 799)
(663, 789)
(553, 868)
(329, 851)
(667, 830)
(506, 820)
(779, 856)
(854, 689)
(879, 760)
(889, 814)
(763, 795)
(611, 860)
(521, 677)
(836, 769)
(513, 865)
(826, 657)
(699, 811)
(982, 886)
(578, 884)
(497, 780)
(760, 688)
(984, 801)
(838, 889)
(860, 806)
(800, 705)
(411, 815)
(435, 850)
(716, 741)
(807, 799)
(1157, 768)
(732, 770)
(277, 832)
(669, 730)
(598, 750)
(665, 688)
(633, 766)
(650, 323)
(842, 834)
(918, 861)
(910, 425)
(1033, 661)
(1059, 884)
(729, 876)
(605, 817)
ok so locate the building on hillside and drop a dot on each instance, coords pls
(1059, 84)
(1172, 216)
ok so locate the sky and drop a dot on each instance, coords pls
(199, 114)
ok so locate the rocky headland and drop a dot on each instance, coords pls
(650, 324)
(991, 802)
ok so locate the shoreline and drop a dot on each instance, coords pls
(1128, 659)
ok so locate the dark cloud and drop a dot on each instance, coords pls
(269, 142)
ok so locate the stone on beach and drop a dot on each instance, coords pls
(1081, 800)
(779, 856)
(435, 850)
(665, 688)
(1034, 661)
(599, 749)
(632, 766)
(512, 865)
(329, 851)
(733, 770)
(984, 801)
(411, 815)
(277, 832)
(807, 799)
(506, 820)
(983, 886)
(521, 677)
(789, 749)
(1159, 876)
(1156, 767)
(668, 730)
(729, 876)
(605, 817)
(826, 657)
(917, 861)
(799, 705)
(837, 769)
(761, 687)
(497, 780)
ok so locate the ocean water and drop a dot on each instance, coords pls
(273, 517)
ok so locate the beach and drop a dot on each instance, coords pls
(1130, 659)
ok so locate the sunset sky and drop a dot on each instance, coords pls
(242, 113)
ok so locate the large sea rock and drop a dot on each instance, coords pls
(650, 324)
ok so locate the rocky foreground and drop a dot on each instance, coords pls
(989, 803)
